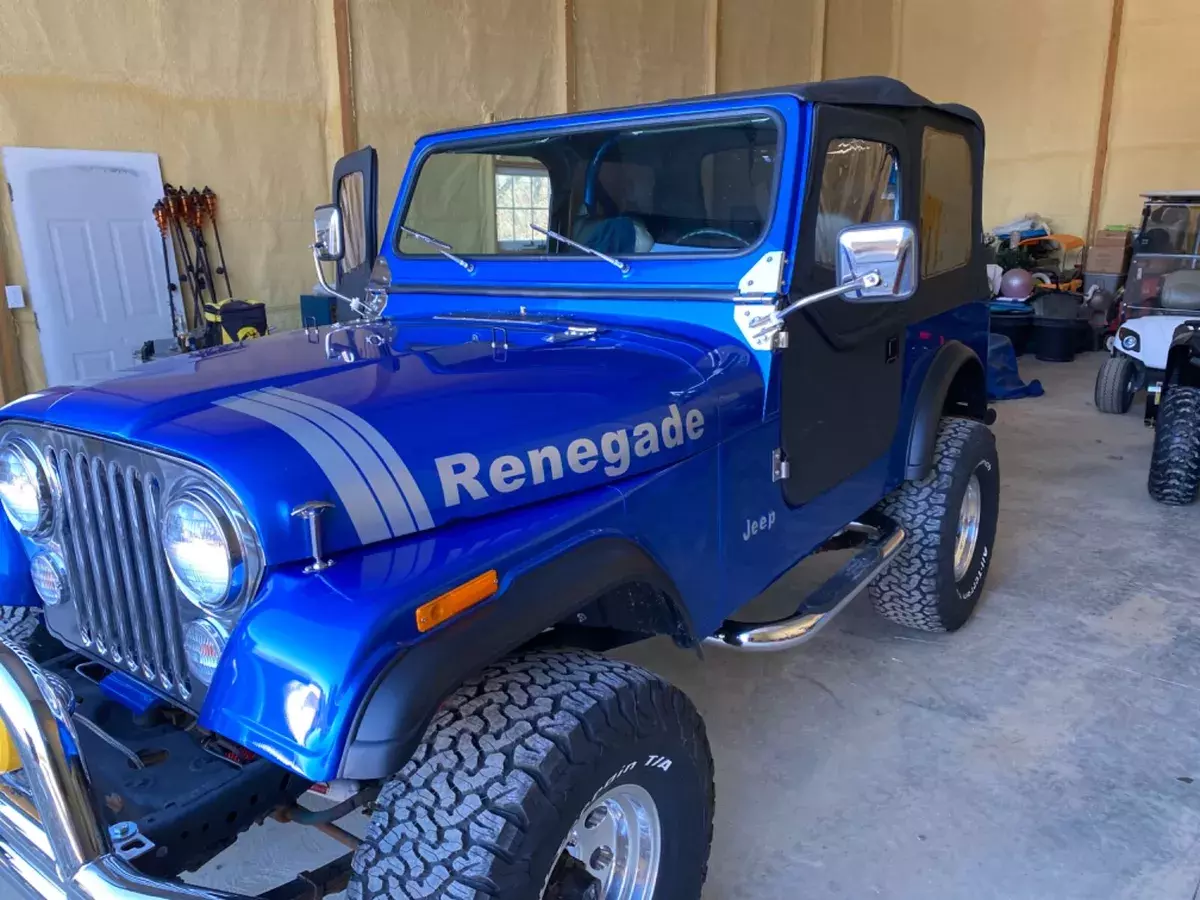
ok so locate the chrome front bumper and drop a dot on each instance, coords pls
(60, 849)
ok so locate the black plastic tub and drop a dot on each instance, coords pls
(1054, 340)
(1015, 325)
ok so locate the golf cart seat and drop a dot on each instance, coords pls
(1181, 290)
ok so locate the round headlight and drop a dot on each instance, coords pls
(1129, 341)
(202, 550)
(24, 488)
(203, 644)
(49, 577)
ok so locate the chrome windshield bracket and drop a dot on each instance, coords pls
(765, 277)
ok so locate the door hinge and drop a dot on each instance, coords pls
(780, 467)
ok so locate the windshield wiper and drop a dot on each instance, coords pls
(586, 249)
(441, 246)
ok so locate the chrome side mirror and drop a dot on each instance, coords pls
(327, 223)
(886, 250)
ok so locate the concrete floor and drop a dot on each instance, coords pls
(1046, 750)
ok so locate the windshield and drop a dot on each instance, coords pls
(700, 188)
(1164, 274)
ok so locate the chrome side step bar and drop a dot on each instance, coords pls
(883, 538)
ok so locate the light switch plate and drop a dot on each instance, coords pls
(14, 296)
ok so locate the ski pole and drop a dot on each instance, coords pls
(161, 220)
(208, 199)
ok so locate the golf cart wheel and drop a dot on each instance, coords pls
(1116, 383)
(551, 775)
(949, 517)
(1175, 460)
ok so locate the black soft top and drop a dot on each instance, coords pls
(871, 90)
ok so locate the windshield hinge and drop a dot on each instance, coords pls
(763, 279)
(780, 467)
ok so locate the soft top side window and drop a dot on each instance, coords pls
(859, 184)
(946, 200)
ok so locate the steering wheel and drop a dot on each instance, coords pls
(717, 232)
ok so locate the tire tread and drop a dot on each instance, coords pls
(1175, 460)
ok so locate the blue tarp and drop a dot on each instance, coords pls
(1003, 380)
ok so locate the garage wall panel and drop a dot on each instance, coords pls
(1037, 88)
(858, 38)
(421, 67)
(229, 93)
(764, 43)
(637, 51)
(1154, 136)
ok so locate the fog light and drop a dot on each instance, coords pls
(203, 644)
(49, 578)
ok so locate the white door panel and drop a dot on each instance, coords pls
(93, 255)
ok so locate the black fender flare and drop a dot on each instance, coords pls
(951, 358)
(404, 697)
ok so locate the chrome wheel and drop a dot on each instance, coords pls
(612, 851)
(968, 527)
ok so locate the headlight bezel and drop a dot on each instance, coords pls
(46, 486)
(243, 556)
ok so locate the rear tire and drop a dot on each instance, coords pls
(921, 588)
(518, 759)
(1116, 384)
(1175, 460)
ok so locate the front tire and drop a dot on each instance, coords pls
(19, 624)
(521, 773)
(1116, 384)
(949, 517)
(1175, 460)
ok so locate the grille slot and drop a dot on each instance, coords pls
(126, 601)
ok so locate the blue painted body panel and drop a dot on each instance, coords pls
(304, 655)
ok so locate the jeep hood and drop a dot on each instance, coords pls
(409, 425)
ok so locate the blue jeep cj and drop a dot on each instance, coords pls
(608, 376)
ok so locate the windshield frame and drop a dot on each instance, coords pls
(707, 270)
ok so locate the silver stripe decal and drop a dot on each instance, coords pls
(351, 487)
(387, 492)
(408, 485)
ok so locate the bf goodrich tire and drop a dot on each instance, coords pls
(523, 756)
(19, 623)
(921, 587)
(1116, 383)
(1175, 460)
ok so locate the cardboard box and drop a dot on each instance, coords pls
(1109, 252)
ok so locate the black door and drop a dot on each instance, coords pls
(355, 191)
(841, 371)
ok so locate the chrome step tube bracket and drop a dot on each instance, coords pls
(881, 543)
(62, 853)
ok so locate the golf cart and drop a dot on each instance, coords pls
(1161, 296)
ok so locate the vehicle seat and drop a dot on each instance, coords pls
(1181, 290)
(615, 236)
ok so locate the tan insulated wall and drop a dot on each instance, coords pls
(632, 51)
(859, 37)
(1038, 88)
(229, 93)
(761, 43)
(1154, 136)
(421, 66)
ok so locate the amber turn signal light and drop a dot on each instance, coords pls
(450, 604)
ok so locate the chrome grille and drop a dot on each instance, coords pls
(108, 522)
